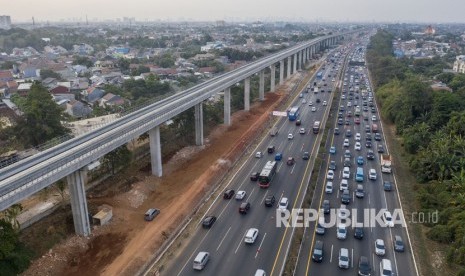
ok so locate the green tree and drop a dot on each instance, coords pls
(82, 60)
(47, 73)
(117, 158)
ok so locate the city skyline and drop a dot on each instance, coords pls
(420, 11)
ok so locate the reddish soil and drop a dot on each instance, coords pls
(124, 245)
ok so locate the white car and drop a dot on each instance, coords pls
(342, 212)
(302, 130)
(372, 174)
(310, 103)
(325, 103)
(251, 235)
(290, 136)
(373, 118)
(329, 187)
(304, 101)
(358, 137)
(358, 146)
(344, 185)
(330, 174)
(388, 219)
(282, 206)
(346, 143)
(346, 173)
(259, 154)
(313, 109)
(344, 259)
(341, 232)
(240, 195)
(380, 249)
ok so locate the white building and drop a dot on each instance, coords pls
(5, 22)
(459, 64)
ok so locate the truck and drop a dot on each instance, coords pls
(386, 163)
(315, 90)
(273, 131)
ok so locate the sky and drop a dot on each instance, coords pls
(421, 11)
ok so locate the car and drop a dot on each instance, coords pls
(348, 133)
(365, 108)
(329, 187)
(278, 156)
(344, 185)
(358, 146)
(387, 186)
(368, 144)
(326, 206)
(380, 249)
(332, 150)
(346, 143)
(347, 154)
(244, 207)
(398, 244)
(347, 162)
(240, 195)
(364, 268)
(298, 122)
(347, 122)
(370, 155)
(343, 97)
(372, 174)
(341, 232)
(319, 229)
(367, 129)
(358, 233)
(301, 95)
(332, 165)
(313, 109)
(346, 173)
(310, 103)
(377, 136)
(270, 200)
(358, 136)
(324, 102)
(283, 203)
(380, 148)
(290, 136)
(151, 214)
(340, 115)
(365, 118)
(306, 155)
(373, 110)
(373, 118)
(251, 235)
(290, 161)
(345, 197)
(340, 122)
(271, 149)
(318, 251)
(318, 100)
(388, 219)
(228, 194)
(258, 154)
(254, 176)
(208, 221)
(360, 160)
(330, 174)
(336, 131)
(349, 113)
(304, 101)
(302, 130)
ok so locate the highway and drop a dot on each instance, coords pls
(225, 239)
(375, 197)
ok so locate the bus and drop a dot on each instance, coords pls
(267, 174)
(316, 127)
(293, 113)
(374, 128)
(359, 174)
(319, 75)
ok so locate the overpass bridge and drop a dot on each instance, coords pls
(72, 158)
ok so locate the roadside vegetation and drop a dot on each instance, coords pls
(431, 125)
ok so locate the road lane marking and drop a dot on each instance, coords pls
(260, 246)
(352, 259)
(221, 242)
(240, 242)
(263, 199)
(279, 166)
(292, 170)
(331, 258)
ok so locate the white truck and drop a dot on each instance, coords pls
(273, 131)
(315, 90)
(386, 163)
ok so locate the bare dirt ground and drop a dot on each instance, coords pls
(124, 245)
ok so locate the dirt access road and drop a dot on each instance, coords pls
(124, 245)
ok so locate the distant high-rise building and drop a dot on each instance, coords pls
(5, 22)
(430, 30)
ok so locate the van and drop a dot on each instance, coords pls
(260, 272)
(385, 268)
(318, 251)
(151, 214)
(201, 260)
(251, 235)
(359, 192)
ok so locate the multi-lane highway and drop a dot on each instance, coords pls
(375, 198)
(225, 239)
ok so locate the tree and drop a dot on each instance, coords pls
(42, 118)
(117, 158)
(81, 60)
(47, 73)
(123, 64)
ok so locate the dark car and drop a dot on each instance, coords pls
(326, 206)
(347, 122)
(370, 155)
(345, 198)
(244, 208)
(269, 201)
(306, 155)
(228, 194)
(340, 122)
(368, 144)
(387, 185)
(340, 115)
(332, 165)
(318, 251)
(377, 136)
(208, 221)
(347, 162)
(368, 137)
(364, 268)
(298, 122)
(271, 149)
(336, 131)
(254, 176)
(348, 133)
(318, 100)
(398, 244)
(380, 148)
(358, 233)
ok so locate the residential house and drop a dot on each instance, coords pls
(50, 82)
(202, 57)
(24, 88)
(440, 86)
(61, 92)
(92, 94)
(6, 75)
(77, 109)
(83, 49)
(111, 100)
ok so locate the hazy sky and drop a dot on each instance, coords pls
(428, 11)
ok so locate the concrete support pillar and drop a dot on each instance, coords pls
(261, 86)
(289, 64)
(299, 60)
(78, 202)
(247, 94)
(272, 77)
(281, 72)
(227, 106)
(295, 64)
(155, 151)
(198, 114)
